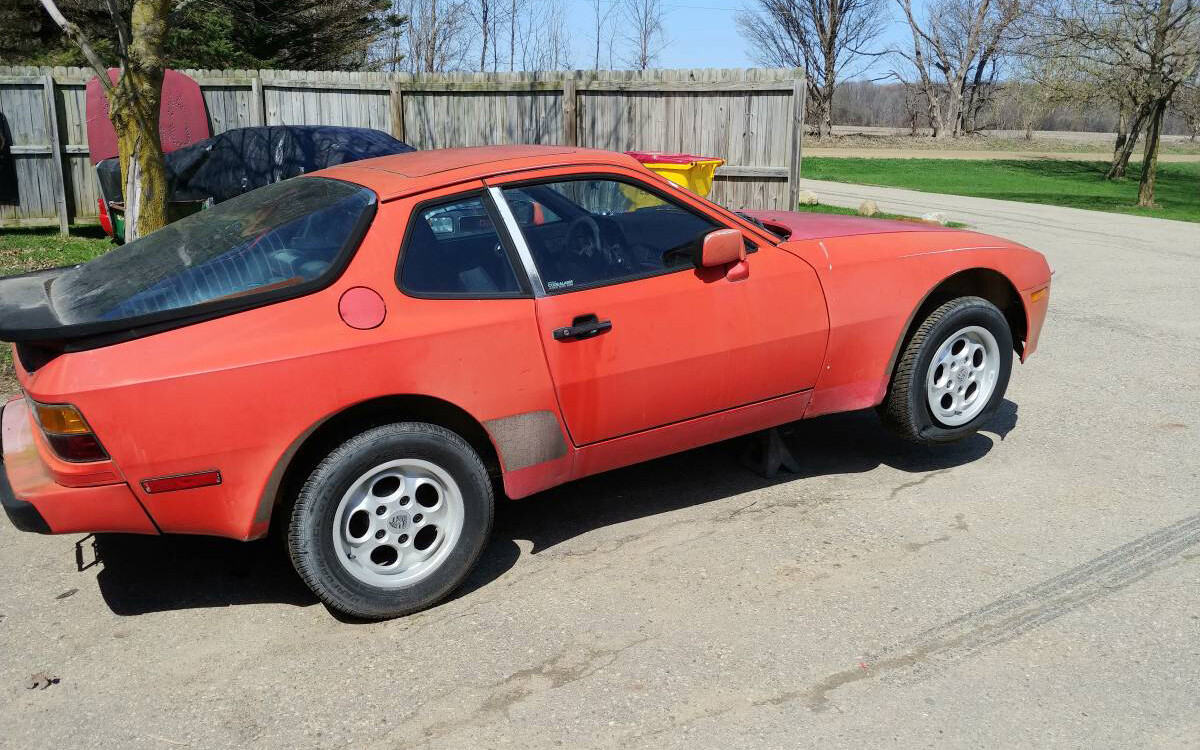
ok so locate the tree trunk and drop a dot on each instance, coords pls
(828, 85)
(1122, 132)
(954, 111)
(483, 28)
(1150, 155)
(1120, 162)
(133, 109)
(975, 99)
(822, 104)
(936, 124)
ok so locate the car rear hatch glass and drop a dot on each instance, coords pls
(273, 243)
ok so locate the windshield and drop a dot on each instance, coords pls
(276, 237)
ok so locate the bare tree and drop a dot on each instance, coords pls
(647, 31)
(912, 106)
(953, 46)
(602, 12)
(438, 34)
(516, 9)
(134, 101)
(1187, 105)
(824, 37)
(1148, 48)
(388, 52)
(483, 13)
(542, 35)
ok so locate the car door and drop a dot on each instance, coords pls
(636, 336)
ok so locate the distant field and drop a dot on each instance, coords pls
(1077, 184)
(24, 250)
(1000, 141)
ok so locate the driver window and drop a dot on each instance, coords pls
(596, 231)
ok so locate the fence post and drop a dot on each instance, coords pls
(258, 104)
(60, 184)
(799, 94)
(570, 113)
(396, 107)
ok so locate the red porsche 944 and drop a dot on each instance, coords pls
(361, 356)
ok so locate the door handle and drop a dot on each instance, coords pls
(583, 327)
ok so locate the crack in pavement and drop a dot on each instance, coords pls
(915, 483)
(918, 546)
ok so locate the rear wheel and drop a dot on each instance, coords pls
(392, 520)
(952, 373)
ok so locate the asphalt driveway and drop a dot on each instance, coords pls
(1036, 585)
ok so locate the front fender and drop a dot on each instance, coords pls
(876, 285)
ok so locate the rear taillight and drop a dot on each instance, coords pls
(68, 433)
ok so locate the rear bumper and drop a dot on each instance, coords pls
(24, 516)
(34, 502)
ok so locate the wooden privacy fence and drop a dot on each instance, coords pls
(750, 118)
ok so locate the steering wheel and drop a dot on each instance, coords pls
(577, 236)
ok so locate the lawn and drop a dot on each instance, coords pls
(1060, 183)
(23, 250)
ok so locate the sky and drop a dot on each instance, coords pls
(702, 34)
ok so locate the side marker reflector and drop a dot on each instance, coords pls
(181, 482)
(1038, 294)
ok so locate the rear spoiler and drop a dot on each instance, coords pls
(28, 317)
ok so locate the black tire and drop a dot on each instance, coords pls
(905, 409)
(310, 530)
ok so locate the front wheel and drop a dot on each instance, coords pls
(392, 520)
(952, 373)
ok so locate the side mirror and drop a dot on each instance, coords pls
(722, 247)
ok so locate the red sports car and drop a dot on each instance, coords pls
(354, 356)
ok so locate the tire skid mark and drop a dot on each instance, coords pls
(1011, 616)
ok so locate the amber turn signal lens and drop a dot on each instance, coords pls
(61, 419)
(1038, 294)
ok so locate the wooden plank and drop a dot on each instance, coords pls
(396, 110)
(799, 92)
(30, 148)
(570, 113)
(426, 85)
(769, 172)
(59, 182)
(277, 83)
(258, 106)
(686, 86)
(12, 223)
(224, 83)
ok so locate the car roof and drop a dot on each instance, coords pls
(404, 174)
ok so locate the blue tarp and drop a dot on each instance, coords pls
(240, 160)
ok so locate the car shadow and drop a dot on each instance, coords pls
(152, 574)
(142, 574)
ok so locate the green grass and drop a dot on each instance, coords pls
(821, 208)
(24, 250)
(1060, 183)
